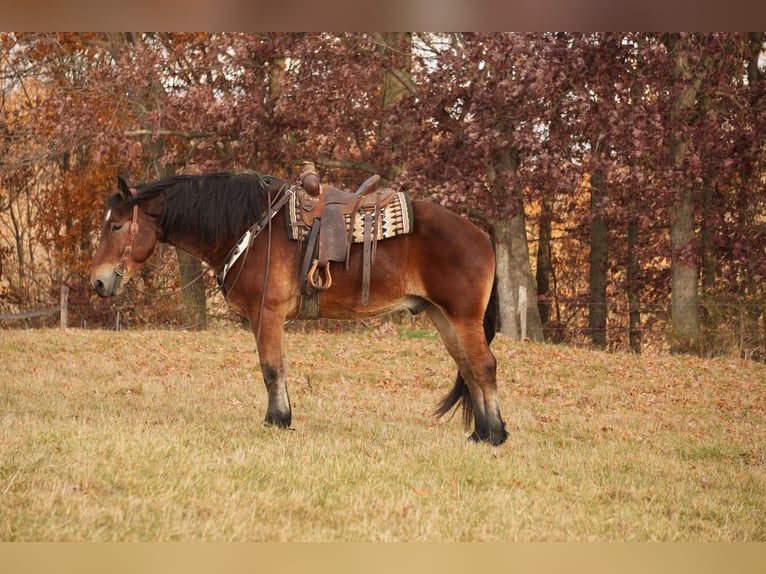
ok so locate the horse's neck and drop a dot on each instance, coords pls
(214, 253)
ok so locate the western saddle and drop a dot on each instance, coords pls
(332, 217)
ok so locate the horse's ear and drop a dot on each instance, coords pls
(124, 188)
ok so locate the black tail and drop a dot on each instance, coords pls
(460, 392)
(492, 315)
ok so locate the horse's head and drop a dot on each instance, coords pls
(128, 238)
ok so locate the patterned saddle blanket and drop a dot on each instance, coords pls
(395, 216)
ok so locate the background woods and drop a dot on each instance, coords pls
(621, 176)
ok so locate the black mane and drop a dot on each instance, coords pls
(214, 205)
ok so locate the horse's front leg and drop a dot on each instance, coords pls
(271, 356)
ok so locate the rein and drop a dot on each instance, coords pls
(243, 245)
(122, 266)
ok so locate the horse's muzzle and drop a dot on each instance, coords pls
(107, 284)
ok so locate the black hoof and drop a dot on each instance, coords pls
(279, 421)
(495, 439)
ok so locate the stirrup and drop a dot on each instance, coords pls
(319, 284)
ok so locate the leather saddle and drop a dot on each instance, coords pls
(332, 215)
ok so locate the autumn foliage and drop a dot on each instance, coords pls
(638, 157)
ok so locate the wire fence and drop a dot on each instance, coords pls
(728, 326)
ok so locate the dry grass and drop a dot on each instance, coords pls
(157, 436)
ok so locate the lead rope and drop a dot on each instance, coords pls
(178, 291)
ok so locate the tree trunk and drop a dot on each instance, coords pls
(706, 235)
(634, 290)
(544, 264)
(18, 233)
(514, 275)
(397, 84)
(598, 261)
(193, 294)
(513, 269)
(397, 79)
(505, 286)
(684, 306)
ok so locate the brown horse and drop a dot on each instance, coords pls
(445, 267)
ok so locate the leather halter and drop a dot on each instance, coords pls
(122, 266)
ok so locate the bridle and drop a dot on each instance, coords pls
(122, 266)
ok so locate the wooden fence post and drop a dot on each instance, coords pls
(64, 309)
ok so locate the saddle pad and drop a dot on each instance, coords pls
(395, 219)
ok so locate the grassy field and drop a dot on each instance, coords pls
(157, 436)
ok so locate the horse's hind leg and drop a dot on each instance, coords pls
(466, 342)
(272, 360)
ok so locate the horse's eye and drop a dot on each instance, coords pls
(116, 226)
